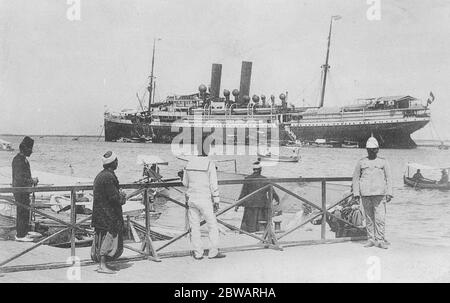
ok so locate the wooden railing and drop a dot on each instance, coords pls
(268, 240)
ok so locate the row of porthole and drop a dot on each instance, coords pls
(415, 119)
(345, 123)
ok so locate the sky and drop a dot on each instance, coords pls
(57, 76)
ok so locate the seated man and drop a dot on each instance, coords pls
(444, 178)
(418, 175)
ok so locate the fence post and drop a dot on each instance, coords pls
(147, 222)
(269, 221)
(269, 234)
(149, 249)
(73, 220)
(324, 209)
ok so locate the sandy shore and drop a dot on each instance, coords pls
(339, 262)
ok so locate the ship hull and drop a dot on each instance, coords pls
(389, 135)
(167, 133)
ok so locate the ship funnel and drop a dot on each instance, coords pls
(246, 74)
(216, 75)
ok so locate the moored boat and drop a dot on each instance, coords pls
(422, 182)
(5, 146)
(277, 158)
(425, 184)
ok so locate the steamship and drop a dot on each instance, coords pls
(236, 118)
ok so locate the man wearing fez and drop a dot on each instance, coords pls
(257, 207)
(372, 187)
(107, 217)
(21, 177)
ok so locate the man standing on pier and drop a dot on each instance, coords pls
(107, 217)
(372, 186)
(256, 208)
(21, 177)
(202, 195)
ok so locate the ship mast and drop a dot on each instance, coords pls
(326, 67)
(150, 86)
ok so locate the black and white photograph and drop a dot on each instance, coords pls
(239, 143)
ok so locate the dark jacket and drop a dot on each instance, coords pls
(261, 199)
(107, 209)
(21, 173)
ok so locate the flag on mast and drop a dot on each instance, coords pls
(429, 101)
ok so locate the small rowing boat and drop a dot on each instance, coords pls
(425, 184)
(419, 181)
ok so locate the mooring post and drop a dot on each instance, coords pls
(73, 221)
(324, 209)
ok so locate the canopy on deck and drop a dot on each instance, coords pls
(150, 159)
(425, 167)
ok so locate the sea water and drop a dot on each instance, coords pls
(418, 216)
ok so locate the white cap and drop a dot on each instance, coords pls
(108, 157)
(372, 143)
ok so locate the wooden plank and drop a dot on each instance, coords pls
(240, 230)
(284, 180)
(135, 234)
(73, 220)
(69, 188)
(86, 187)
(323, 228)
(320, 242)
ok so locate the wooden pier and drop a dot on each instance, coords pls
(147, 249)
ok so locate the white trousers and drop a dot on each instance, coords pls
(195, 213)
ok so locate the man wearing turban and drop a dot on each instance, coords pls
(107, 216)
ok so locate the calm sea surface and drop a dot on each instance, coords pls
(417, 216)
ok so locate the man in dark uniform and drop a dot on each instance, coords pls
(21, 177)
(256, 209)
(107, 217)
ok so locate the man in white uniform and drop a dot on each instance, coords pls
(372, 185)
(202, 196)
